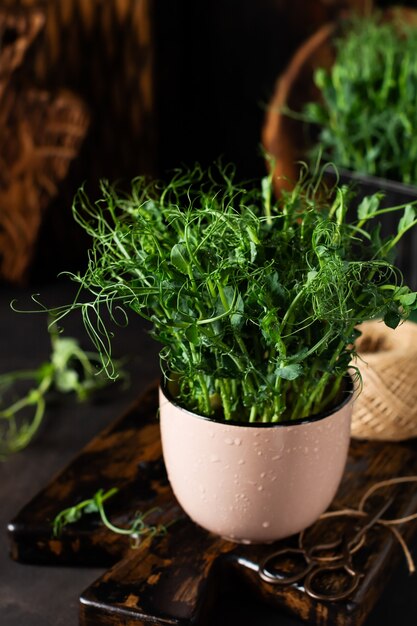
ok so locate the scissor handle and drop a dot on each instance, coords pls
(309, 584)
(273, 576)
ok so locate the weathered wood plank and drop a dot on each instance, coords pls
(175, 579)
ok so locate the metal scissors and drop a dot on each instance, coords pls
(314, 562)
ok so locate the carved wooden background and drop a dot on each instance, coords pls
(166, 83)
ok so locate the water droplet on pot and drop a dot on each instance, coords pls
(265, 524)
(241, 462)
(228, 441)
(259, 452)
(263, 474)
(260, 488)
(214, 459)
(305, 450)
(277, 457)
(238, 442)
(316, 450)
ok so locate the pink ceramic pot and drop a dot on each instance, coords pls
(254, 483)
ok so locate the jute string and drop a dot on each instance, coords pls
(386, 408)
(390, 524)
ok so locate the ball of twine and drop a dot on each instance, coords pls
(386, 408)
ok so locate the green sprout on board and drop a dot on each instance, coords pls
(137, 529)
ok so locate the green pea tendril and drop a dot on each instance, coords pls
(69, 370)
(136, 530)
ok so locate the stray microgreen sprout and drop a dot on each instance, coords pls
(137, 529)
(70, 369)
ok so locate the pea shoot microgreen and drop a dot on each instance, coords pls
(255, 300)
(69, 370)
(367, 111)
(137, 529)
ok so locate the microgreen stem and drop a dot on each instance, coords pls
(135, 530)
(70, 369)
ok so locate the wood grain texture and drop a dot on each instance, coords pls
(175, 579)
(104, 51)
(40, 135)
(18, 30)
(126, 455)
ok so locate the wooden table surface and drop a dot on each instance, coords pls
(43, 596)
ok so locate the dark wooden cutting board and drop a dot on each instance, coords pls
(174, 580)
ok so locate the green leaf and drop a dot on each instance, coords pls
(315, 113)
(408, 299)
(321, 251)
(91, 507)
(72, 515)
(289, 372)
(252, 235)
(392, 319)
(321, 77)
(192, 334)
(270, 327)
(234, 304)
(63, 349)
(237, 317)
(273, 284)
(369, 205)
(178, 258)
(407, 219)
(311, 275)
(376, 237)
(66, 380)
